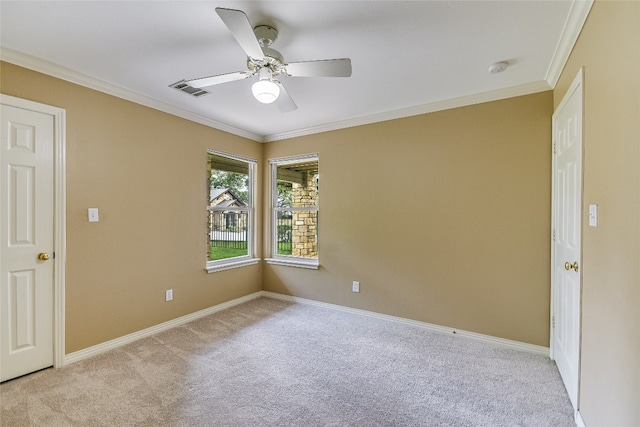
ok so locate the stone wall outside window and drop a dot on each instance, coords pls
(305, 223)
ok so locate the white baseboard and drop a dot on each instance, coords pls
(531, 348)
(118, 342)
(579, 420)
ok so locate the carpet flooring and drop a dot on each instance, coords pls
(274, 363)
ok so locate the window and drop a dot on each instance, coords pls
(230, 218)
(295, 211)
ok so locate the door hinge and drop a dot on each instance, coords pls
(554, 147)
(553, 322)
(553, 236)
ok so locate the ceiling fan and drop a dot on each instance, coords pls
(265, 62)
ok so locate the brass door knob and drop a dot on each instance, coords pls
(43, 256)
(568, 266)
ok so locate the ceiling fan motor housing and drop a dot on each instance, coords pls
(265, 34)
(273, 60)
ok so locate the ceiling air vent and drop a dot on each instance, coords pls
(184, 87)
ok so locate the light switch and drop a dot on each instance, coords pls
(593, 215)
(93, 214)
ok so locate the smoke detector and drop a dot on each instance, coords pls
(498, 67)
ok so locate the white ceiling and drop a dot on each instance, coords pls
(408, 57)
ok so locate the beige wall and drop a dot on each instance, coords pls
(146, 172)
(443, 218)
(609, 51)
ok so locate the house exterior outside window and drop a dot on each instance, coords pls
(230, 211)
(295, 211)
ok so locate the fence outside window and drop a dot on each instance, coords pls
(228, 229)
(284, 224)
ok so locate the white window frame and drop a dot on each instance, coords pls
(249, 259)
(289, 260)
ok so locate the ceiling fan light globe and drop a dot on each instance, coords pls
(265, 91)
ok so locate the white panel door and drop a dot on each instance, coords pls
(566, 275)
(26, 241)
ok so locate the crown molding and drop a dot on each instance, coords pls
(570, 32)
(573, 25)
(63, 73)
(479, 98)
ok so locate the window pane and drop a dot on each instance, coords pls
(229, 176)
(296, 233)
(228, 207)
(228, 234)
(297, 185)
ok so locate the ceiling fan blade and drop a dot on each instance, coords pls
(239, 25)
(284, 102)
(216, 80)
(323, 68)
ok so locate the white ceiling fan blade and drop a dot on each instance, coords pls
(284, 102)
(323, 68)
(216, 80)
(239, 25)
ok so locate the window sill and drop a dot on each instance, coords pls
(296, 262)
(213, 268)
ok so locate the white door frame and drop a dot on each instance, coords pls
(59, 213)
(576, 85)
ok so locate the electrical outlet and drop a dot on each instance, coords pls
(168, 295)
(356, 286)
